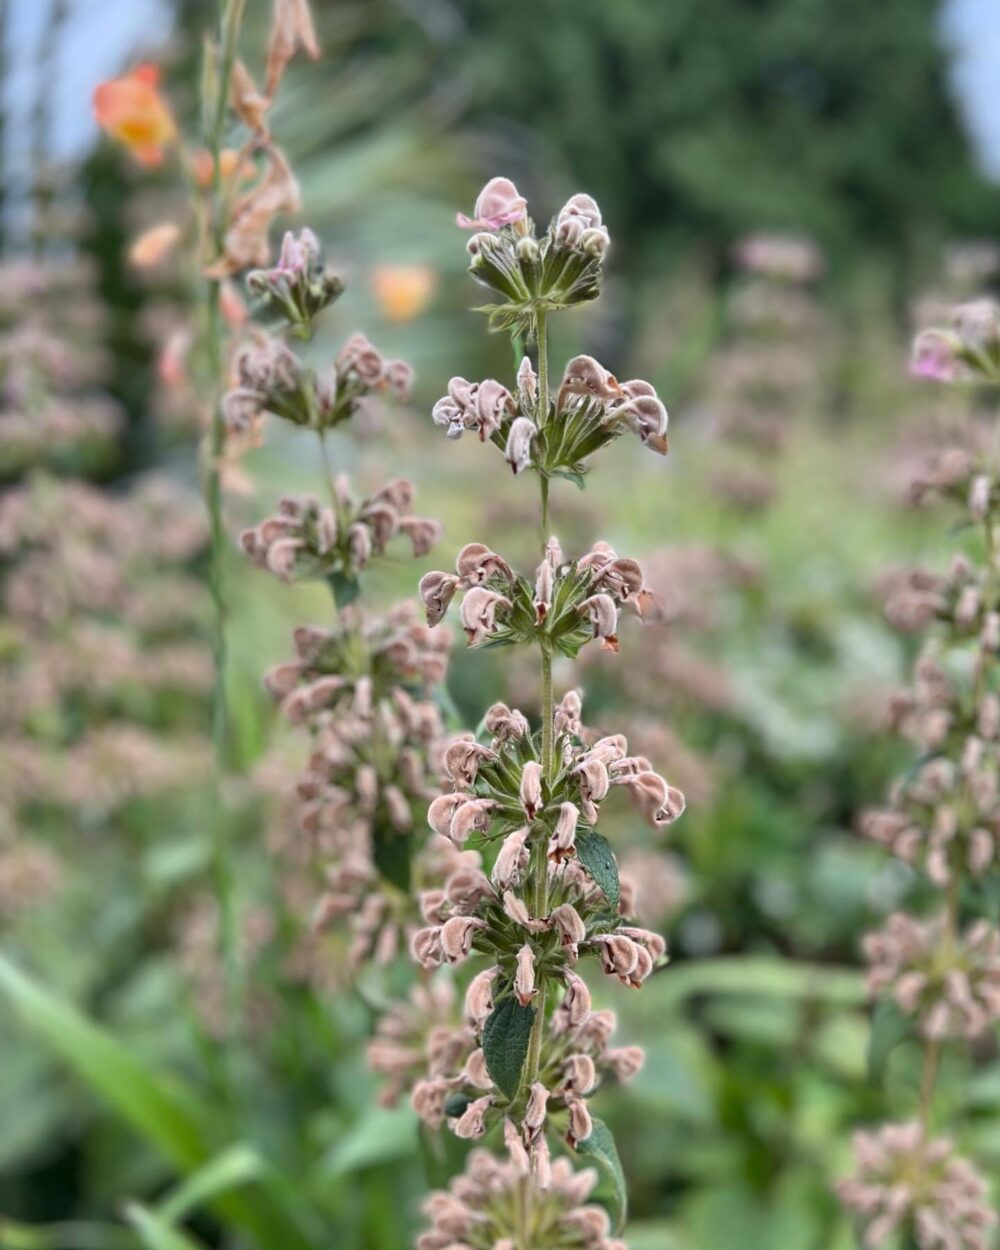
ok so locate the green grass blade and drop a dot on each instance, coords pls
(156, 1233)
(159, 1110)
(234, 1167)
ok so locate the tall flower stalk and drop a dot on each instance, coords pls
(236, 194)
(939, 976)
(537, 889)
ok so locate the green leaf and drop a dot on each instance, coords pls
(165, 1115)
(392, 852)
(381, 1135)
(753, 974)
(67, 1235)
(155, 1232)
(889, 1027)
(162, 1112)
(570, 477)
(506, 1035)
(655, 1235)
(595, 854)
(236, 1166)
(600, 1146)
(345, 588)
(442, 1156)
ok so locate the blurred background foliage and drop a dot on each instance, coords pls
(794, 431)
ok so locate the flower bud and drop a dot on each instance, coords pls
(519, 440)
(456, 937)
(436, 592)
(471, 1123)
(479, 997)
(524, 978)
(531, 788)
(512, 859)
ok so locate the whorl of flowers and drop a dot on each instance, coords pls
(569, 602)
(376, 762)
(943, 973)
(591, 408)
(531, 274)
(299, 286)
(309, 539)
(482, 1205)
(343, 682)
(445, 1068)
(272, 379)
(911, 1184)
(951, 984)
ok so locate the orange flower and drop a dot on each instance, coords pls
(154, 245)
(132, 110)
(229, 159)
(403, 291)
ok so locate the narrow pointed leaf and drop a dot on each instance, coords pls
(156, 1233)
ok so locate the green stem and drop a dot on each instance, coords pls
(214, 350)
(534, 1060)
(328, 472)
(542, 416)
(932, 1051)
(541, 338)
(540, 868)
(548, 709)
(928, 1079)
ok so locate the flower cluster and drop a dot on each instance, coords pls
(591, 409)
(569, 603)
(52, 364)
(490, 1198)
(377, 744)
(532, 275)
(943, 972)
(272, 379)
(769, 367)
(907, 1182)
(450, 1079)
(780, 257)
(950, 983)
(968, 350)
(955, 598)
(299, 286)
(308, 539)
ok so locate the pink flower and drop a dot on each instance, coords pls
(498, 204)
(934, 357)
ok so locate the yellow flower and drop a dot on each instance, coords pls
(403, 291)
